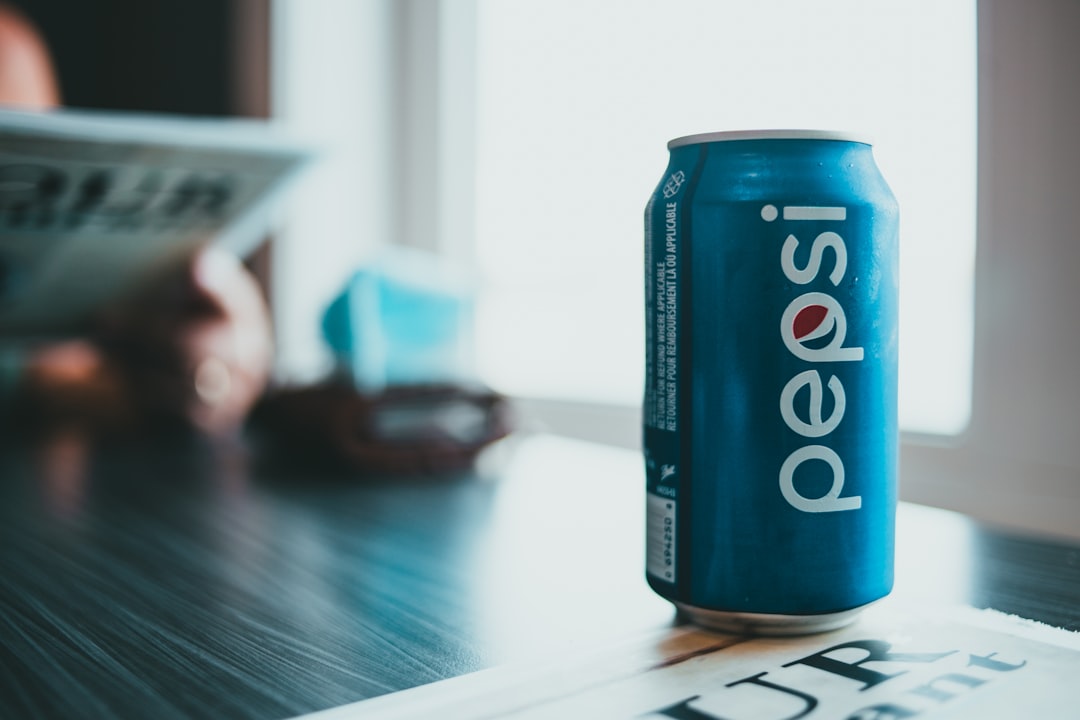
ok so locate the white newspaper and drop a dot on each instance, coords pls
(93, 203)
(893, 663)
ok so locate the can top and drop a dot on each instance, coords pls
(767, 135)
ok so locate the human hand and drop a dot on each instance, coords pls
(196, 347)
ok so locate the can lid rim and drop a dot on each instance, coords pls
(729, 135)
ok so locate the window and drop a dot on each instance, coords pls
(561, 104)
(576, 100)
(524, 138)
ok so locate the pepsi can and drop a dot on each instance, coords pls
(770, 409)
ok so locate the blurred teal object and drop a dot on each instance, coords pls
(403, 320)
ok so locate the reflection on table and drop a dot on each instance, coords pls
(177, 579)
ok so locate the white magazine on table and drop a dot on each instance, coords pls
(893, 662)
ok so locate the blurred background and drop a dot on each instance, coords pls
(519, 139)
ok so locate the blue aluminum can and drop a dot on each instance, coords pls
(770, 410)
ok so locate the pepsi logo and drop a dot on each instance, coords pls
(813, 328)
(817, 316)
(809, 323)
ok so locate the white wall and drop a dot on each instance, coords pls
(332, 66)
(1019, 464)
(363, 81)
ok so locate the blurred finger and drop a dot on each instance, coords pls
(215, 278)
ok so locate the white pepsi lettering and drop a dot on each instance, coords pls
(802, 212)
(811, 316)
(817, 251)
(831, 500)
(813, 426)
(813, 328)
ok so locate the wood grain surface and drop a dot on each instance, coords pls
(176, 579)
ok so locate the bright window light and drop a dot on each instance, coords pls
(576, 102)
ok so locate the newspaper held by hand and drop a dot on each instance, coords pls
(93, 204)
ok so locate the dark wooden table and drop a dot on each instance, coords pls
(175, 579)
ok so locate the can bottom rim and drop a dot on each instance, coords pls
(744, 623)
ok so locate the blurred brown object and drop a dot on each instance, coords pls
(70, 384)
(408, 430)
